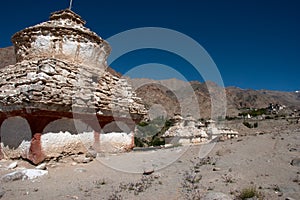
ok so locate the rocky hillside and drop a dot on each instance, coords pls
(7, 56)
(236, 98)
(239, 98)
(176, 96)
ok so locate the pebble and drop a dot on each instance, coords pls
(296, 162)
(289, 198)
(292, 149)
(148, 172)
(13, 165)
(41, 166)
(82, 159)
(216, 169)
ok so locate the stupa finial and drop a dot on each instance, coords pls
(71, 2)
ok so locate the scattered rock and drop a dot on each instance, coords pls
(293, 149)
(27, 174)
(13, 165)
(296, 162)
(82, 159)
(216, 196)
(91, 154)
(14, 176)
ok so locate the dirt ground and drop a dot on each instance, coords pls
(260, 158)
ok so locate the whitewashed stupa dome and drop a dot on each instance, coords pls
(63, 37)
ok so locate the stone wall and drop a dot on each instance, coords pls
(52, 84)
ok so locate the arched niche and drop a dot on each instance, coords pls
(14, 130)
(73, 126)
(116, 127)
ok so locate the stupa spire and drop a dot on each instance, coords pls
(71, 3)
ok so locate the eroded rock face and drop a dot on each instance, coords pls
(7, 56)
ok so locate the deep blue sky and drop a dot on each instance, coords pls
(254, 43)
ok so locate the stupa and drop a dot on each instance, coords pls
(61, 72)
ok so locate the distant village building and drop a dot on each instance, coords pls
(275, 108)
(61, 75)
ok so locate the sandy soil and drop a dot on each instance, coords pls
(261, 158)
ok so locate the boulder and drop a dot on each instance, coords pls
(14, 176)
(13, 165)
(33, 173)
